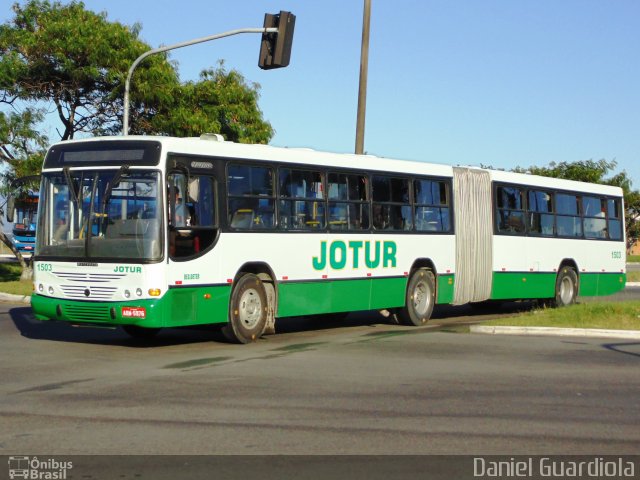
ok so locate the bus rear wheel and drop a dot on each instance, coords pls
(247, 310)
(420, 298)
(566, 287)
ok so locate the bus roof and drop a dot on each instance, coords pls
(210, 145)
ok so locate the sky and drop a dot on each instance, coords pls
(503, 83)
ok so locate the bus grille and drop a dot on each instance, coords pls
(86, 312)
(95, 293)
(89, 277)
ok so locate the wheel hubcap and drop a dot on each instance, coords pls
(421, 298)
(566, 290)
(250, 309)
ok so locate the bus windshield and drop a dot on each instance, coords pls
(100, 214)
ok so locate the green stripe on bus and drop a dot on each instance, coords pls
(328, 296)
(508, 285)
(523, 285)
(592, 284)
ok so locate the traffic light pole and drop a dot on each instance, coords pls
(125, 120)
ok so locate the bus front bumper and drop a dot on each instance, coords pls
(148, 313)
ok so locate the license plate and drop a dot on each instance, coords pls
(134, 312)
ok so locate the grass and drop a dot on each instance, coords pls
(633, 258)
(633, 276)
(10, 280)
(611, 316)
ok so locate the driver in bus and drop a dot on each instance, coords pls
(181, 217)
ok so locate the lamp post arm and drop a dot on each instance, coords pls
(125, 119)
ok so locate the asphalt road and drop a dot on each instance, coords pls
(364, 387)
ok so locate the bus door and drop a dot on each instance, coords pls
(192, 219)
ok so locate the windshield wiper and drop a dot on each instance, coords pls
(114, 181)
(71, 185)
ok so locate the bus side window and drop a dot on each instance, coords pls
(192, 214)
(250, 189)
(510, 210)
(391, 203)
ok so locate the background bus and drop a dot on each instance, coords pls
(25, 215)
(150, 232)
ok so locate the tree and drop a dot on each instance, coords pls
(220, 102)
(21, 145)
(77, 60)
(597, 172)
(22, 150)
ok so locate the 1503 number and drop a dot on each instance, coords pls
(44, 267)
(616, 254)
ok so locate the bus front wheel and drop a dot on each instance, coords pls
(566, 287)
(247, 310)
(420, 298)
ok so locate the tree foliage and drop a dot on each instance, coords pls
(220, 102)
(63, 59)
(598, 172)
(21, 145)
(77, 61)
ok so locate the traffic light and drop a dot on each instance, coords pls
(275, 49)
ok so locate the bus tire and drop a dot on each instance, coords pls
(566, 287)
(247, 310)
(420, 298)
(140, 333)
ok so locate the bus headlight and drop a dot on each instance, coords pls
(41, 288)
(127, 294)
(139, 292)
(50, 290)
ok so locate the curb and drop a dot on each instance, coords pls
(558, 332)
(7, 297)
(632, 284)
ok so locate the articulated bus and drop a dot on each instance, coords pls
(154, 232)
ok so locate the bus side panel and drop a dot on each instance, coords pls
(304, 298)
(350, 295)
(388, 292)
(522, 285)
(197, 305)
(446, 284)
(526, 267)
(594, 284)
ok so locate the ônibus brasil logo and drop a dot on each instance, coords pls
(36, 469)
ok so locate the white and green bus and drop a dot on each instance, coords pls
(154, 232)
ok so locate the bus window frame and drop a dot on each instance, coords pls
(178, 163)
(554, 192)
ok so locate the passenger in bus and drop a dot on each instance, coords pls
(181, 217)
(380, 219)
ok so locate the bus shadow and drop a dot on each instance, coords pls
(31, 328)
(623, 348)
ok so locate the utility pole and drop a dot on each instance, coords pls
(364, 67)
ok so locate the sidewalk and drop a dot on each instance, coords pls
(8, 297)
(558, 332)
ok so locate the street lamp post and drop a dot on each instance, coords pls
(125, 120)
(364, 67)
